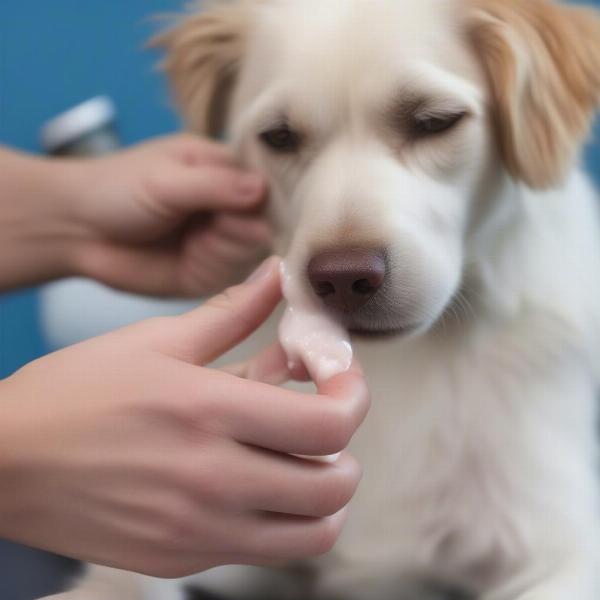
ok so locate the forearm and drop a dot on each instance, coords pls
(39, 234)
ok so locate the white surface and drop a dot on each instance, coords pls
(80, 120)
(77, 309)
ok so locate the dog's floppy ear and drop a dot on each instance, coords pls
(543, 64)
(203, 54)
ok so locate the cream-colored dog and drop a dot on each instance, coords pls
(422, 156)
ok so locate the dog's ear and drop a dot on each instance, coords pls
(203, 54)
(543, 64)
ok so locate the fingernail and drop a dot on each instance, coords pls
(263, 271)
(251, 185)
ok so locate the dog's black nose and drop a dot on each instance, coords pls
(347, 279)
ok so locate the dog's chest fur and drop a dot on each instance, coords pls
(452, 446)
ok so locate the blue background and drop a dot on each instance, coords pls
(55, 54)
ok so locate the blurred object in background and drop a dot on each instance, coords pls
(77, 309)
(86, 130)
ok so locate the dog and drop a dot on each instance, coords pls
(423, 158)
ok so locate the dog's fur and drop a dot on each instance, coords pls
(480, 453)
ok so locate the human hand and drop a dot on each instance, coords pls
(173, 216)
(127, 451)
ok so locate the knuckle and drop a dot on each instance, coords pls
(174, 528)
(200, 418)
(342, 417)
(186, 413)
(206, 411)
(215, 487)
(354, 471)
(337, 492)
(154, 186)
(336, 428)
(324, 538)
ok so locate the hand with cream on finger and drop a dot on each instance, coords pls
(155, 463)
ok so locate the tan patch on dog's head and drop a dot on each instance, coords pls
(543, 65)
(204, 52)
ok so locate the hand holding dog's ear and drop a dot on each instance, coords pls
(170, 217)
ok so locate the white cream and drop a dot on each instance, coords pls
(310, 336)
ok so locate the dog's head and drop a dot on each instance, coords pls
(385, 127)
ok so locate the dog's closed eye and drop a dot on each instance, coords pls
(435, 124)
(281, 138)
(423, 117)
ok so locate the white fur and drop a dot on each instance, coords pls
(480, 452)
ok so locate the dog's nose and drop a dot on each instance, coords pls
(347, 279)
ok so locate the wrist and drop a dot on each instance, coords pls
(39, 230)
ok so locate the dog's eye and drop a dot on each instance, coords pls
(281, 139)
(438, 124)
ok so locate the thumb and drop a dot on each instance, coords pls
(229, 318)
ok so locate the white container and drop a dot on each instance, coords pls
(76, 309)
